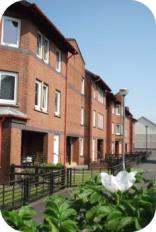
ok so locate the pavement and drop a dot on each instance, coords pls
(150, 173)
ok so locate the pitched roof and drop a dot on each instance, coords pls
(72, 39)
(98, 79)
(41, 19)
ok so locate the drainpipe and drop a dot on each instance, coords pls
(66, 100)
(1, 124)
(91, 120)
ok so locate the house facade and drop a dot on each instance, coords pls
(51, 108)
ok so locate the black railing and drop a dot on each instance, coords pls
(28, 184)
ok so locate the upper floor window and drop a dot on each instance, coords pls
(118, 110)
(82, 116)
(118, 129)
(8, 87)
(82, 86)
(41, 96)
(100, 121)
(113, 128)
(10, 35)
(58, 60)
(94, 118)
(42, 47)
(100, 96)
(57, 103)
(94, 92)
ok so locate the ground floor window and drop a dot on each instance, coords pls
(8, 87)
(93, 149)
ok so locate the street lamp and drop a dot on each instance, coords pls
(123, 93)
(146, 128)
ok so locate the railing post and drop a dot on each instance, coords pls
(26, 186)
(12, 172)
(51, 186)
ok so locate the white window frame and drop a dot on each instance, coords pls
(82, 116)
(113, 129)
(100, 96)
(100, 121)
(82, 86)
(39, 83)
(113, 109)
(118, 132)
(43, 48)
(58, 61)
(6, 101)
(94, 118)
(18, 32)
(58, 110)
(94, 92)
(58, 148)
(81, 142)
(118, 109)
(45, 108)
(40, 106)
(113, 147)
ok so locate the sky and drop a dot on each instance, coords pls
(117, 39)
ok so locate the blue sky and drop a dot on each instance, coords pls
(118, 41)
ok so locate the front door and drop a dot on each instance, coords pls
(56, 149)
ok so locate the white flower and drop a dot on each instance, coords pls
(122, 182)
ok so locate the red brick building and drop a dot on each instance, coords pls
(51, 108)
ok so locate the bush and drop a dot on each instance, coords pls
(92, 208)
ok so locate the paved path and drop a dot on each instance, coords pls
(149, 166)
(150, 172)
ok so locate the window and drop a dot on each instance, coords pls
(41, 96)
(94, 118)
(81, 146)
(100, 121)
(46, 50)
(8, 88)
(58, 61)
(118, 129)
(39, 45)
(82, 116)
(118, 110)
(94, 92)
(112, 128)
(100, 96)
(42, 47)
(44, 97)
(57, 103)
(38, 86)
(82, 86)
(11, 32)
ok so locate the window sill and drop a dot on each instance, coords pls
(57, 115)
(41, 111)
(10, 45)
(9, 104)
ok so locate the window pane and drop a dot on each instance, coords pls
(39, 45)
(46, 49)
(57, 102)
(45, 97)
(10, 31)
(37, 94)
(58, 61)
(7, 87)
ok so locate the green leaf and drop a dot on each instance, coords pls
(124, 222)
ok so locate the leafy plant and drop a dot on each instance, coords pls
(21, 219)
(59, 216)
(92, 208)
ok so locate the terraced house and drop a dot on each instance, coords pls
(51, 107)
